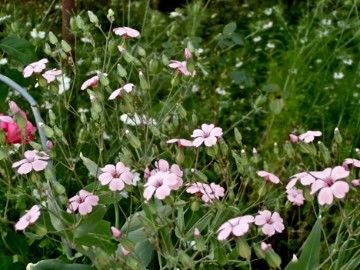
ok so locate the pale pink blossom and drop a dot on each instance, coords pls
(236, 226)
(270, 223)
(118, 92)
(126, 32)
(265, 246)
(208, 135)
(197, 232)
(116, 232)
(295, 196)
(51, 75)
(181, 142)
(92, 82)
(294, 138)
(160, 185)
(124, 251)
(356, 182)
(180, 67)
(116, 176)
(328, 184)
(34, 160)
(268, 177)
(305, 178)
(351, 161)
(187, 53)
(14, 108)
(309, 136)
(49, 144)
(36, 67)
(208, 193)
(164, 166)
(29, 218)
(84, 202)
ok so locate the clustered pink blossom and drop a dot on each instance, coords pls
(13, 133)
(295, 196)
(162, 180)
(236, 226)
(33, 161)
(269, 177)
(208, 193)
(83, 203)
(29, 218)
(208, 135)
(270, 223)
(306, 137)
(126, 32)
(116, 176)
(118, 92)
(36, 67)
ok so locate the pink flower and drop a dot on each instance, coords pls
(293, 138)
(13, 133)
(36, 67)
(328, 184)
(163, 166)
(356, 182)
(14, 108)
(116, 176)
(92, 82)
(187, 53)
(197, 232)
(51, 75)
(295, 196)
(160, 185)
(208, 134)
(118, 92)
(49, 144)
(269, 177)
(269, 223)
(116, 232)
(305, 178)
(351, 161)
(29, 218)
(84, 202)
(237, 226)
(34, 160)
(181, 142)
(126, 32)
(180, 67)
(207, 192)
(124, 251)
(309, 136)
(265, 247)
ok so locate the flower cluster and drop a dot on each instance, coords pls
(208, 193)
(40, 66)
(83, 203)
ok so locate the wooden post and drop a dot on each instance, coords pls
(68, 7)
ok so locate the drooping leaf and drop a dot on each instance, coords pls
(90, 165)
(90, 222)
(19, 49)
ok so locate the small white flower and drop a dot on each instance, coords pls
(324, 33)
(338, 75)
(268, 11)
(3, 61)
(239, 64)
(64, 83)
(220, 91)
(256, 39)
(270, 45)
(268, 25)
(175, 14)
(326, 21)
(195, 88)
(83, 110)
(348, 61)
(86, 40)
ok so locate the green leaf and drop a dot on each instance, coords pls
(3, 154)
(90, 222)
(52, 38)
(276, 105)
(93, 18)
(16, 243)
(310, 254)
(229, 28)
(92, 167)
(19, 49)
(65, 46)
(57, 265)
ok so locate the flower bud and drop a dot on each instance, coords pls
(187, 53)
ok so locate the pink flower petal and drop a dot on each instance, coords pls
(339, 189)
(339, 172)
(325, 196)
(116, 185)
(224, 233)
(25, 168)
(39, 165)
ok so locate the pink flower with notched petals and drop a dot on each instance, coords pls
(83, 203)
(208, 193)
(208, 135)
(160, 185)
(269, 177)
(34, 160)
(236, 226)
(305, 178)
(29, 218)
(309, 136)
(92, 82)
(351, 161)
(118, 92)
(116, 176)
(164, 166)
(181, 142)
(270, 223)
(36, 67)
(126, 32)
(180, 67)
(295, 196)
(328, 184)
(51, 75)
